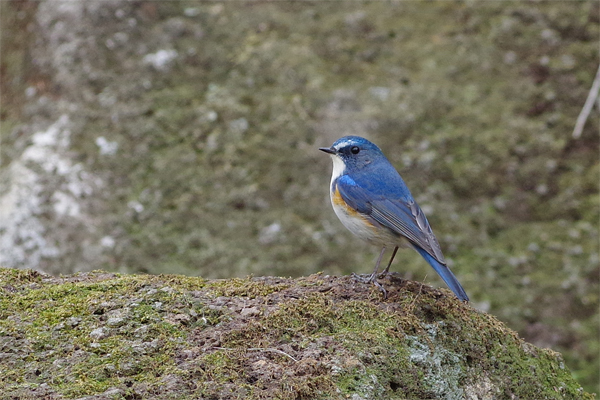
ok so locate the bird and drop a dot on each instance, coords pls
(372, 201)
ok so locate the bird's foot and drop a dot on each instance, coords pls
(363, 278)
(383, 274)
(370, 278)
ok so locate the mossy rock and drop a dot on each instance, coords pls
(110, 336)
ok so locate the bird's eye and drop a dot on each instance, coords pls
(354, 150)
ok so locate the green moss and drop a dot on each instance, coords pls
(316, 337)
(94, 331)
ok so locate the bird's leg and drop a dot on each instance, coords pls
(372, 277)
(387, 269)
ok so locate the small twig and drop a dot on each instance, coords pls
(257, 349)
(412, 304)
(587, 107)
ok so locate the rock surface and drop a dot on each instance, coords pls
(318, 337)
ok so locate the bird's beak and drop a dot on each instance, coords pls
(328, 150)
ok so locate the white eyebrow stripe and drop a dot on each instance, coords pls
(343, 144)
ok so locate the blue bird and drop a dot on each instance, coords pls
(373, 202)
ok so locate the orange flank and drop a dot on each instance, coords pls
(361, 225)
(356, 223)
(337, 201)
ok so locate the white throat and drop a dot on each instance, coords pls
(338, 167)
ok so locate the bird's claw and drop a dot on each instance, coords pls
(364, 278)
(383, 275)
(380, 286)
(370, 278)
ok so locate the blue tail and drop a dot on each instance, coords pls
(445, 273)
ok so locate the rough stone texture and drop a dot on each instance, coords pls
(319, 337)
(181, 137)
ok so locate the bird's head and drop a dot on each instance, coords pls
(352, 153)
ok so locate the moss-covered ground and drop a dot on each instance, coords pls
(320, 337)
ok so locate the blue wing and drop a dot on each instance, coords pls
(398, 211)
(395, 211)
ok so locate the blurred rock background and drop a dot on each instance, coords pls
(181, 137)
